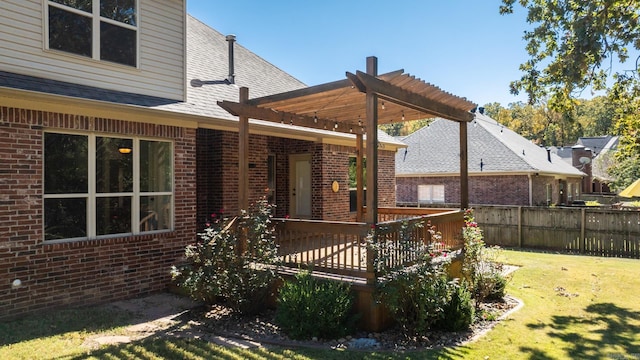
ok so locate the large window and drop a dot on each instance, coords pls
(430, 194)
(99, 29)
(99, 185)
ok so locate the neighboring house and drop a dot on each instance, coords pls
(504, 168)
(592, 155)
(115, 152)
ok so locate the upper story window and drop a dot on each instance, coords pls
(99, 29)
(98, 185)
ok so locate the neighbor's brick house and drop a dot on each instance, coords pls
(112, 160)
(504, 168)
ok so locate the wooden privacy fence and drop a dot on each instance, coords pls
(591, 231)
(341, 247)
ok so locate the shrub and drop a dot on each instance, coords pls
(220, 267)
(490, 285)
(458, 313)
(308, 308)
(415, 297)
(480, 266)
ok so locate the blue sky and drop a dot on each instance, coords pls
(465, 47)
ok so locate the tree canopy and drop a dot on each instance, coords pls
(572, 47)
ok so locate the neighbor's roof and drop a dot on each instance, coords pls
(435, 150)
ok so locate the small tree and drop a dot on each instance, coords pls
(233, 262)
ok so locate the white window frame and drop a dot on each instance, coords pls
(92, 195)
(95, 23)
(427, 194)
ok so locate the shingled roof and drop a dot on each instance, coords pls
(206, 77)
(493, 148)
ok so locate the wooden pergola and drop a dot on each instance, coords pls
(355, 105)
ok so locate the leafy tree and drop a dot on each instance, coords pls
(571, 47)
(573, 44)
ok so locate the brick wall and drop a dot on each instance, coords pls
(503, 190)
(487, 190)
(89, 271)
(218, 155)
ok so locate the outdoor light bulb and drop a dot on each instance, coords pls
(403, 115)
(382, 105)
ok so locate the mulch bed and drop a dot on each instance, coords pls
(219, 320)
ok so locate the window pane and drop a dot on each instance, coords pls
(65, 163)
(155, 166)
(155, 212)
(65, 218)
(117, 44)
(69, 32)
(123, 11)
(114, 165)
(84, 5)
(113, 215)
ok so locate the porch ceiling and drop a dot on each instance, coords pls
(341, 105)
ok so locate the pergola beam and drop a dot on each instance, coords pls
(407, 98)
(267, 114)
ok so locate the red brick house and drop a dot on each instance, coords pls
(504, 168)
(115, 151)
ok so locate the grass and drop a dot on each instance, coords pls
(576, 307)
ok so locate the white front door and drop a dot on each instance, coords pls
(300, 186)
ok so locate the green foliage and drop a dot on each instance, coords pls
(223, 267)
(416, 298)
(458, 313)
(480, 266)
(625, 96)
(572, 44)
(308, 308)
(404, 128)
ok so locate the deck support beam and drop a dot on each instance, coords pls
(464, 167)
(243, 155)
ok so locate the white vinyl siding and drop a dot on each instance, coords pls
(161, 47)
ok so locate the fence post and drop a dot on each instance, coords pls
(583, 220)
(519, 227)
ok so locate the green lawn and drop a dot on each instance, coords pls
(576, 307)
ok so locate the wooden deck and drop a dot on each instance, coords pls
(342, 247)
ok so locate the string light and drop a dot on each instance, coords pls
(315, 118)
(382, 105)
(402, 115)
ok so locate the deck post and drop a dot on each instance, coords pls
(464, 167)
(243, 166)
(359, 178)
(372, 161)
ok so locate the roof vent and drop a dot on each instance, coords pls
(231, 39)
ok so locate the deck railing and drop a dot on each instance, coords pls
(341, 247)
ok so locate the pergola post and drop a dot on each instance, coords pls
(372, 163)
(464, 167)
(372, 146)
(243, 155)
(359, 177)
